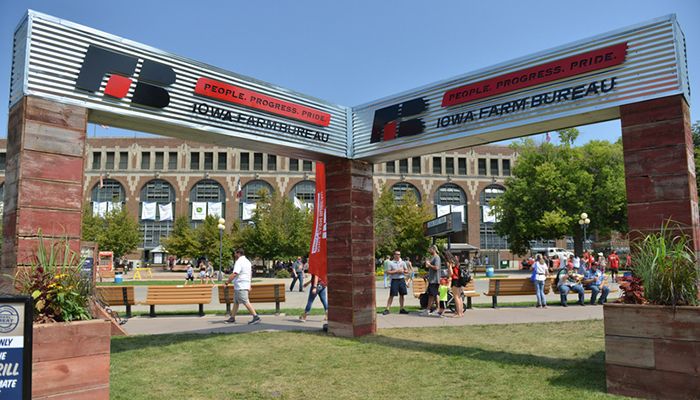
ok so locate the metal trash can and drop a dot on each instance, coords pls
(118, 278)
(504, 264)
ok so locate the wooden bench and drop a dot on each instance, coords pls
(259, 293)
(187, 294)
(513, 287)
(117, 296)
(605, 283)
(105, 275)
(420, 285)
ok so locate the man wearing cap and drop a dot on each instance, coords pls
(593, 281)
(568, 280)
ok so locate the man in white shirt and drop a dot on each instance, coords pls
(241, 277)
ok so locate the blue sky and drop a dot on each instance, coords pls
(352, 52)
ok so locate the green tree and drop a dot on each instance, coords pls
(181, 241)
(409, 219)
(399, 225)
(117, 232)
(568, 136)
(552, 184)
(92, 225)
(385, 210)
(207, 242)
(278, 230)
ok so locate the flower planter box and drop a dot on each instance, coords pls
(652, 352)
(71, 360)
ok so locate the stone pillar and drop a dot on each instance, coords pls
(43, 179)
(659, 165)
(351, 283)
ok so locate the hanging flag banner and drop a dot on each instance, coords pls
(487, 214)
(239, 190)
(298, 203)
(447, 209)
(166, 211)
(199, 210)
(99, 209)
(148, 210)
(214, 209)
(16, 347)
(114, 206)
(317, 255)
(248, 210)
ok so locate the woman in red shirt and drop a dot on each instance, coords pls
(455, 287)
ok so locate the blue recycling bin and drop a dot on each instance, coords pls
(118, 278)
(489, 271)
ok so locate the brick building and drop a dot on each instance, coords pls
(163, 170)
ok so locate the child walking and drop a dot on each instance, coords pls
(442, 292)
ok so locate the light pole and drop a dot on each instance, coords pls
(221, 244)
(584, 221)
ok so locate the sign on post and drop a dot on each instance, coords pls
(448, 223)
(16, 348)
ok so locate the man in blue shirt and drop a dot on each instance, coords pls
(594, 281)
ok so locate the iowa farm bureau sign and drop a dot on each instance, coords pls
(135, 86)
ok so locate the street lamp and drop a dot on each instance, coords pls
(221, 244)
(584, 221)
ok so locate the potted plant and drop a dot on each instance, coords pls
(70, 350)
(652, 334)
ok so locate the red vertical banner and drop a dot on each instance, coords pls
(318, 264)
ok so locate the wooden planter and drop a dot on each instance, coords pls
(652, 352)
(71, 360)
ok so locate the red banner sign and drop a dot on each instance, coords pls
(552, 71)
(317, 255)
(249, 98)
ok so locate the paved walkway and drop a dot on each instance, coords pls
(505, 315)
(478, 316)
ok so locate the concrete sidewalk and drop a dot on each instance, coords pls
(505, 315)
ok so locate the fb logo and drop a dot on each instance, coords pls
(389, 123)
(148, 90)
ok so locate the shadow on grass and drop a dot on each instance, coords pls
(584, 374)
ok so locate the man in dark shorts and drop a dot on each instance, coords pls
(396, 270)
(433, 265)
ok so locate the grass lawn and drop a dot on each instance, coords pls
(528, 361)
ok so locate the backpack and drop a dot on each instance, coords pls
(464, 275)
(423, 299)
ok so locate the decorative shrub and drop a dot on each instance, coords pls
(666, 265)
(282, 274)
(379, 272)
(632, 290)
(54, 281)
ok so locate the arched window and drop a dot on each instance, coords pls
(304, 191)
(450, 194)
(107, 196)
(451, 198)
(489, 238)
(211, 192)
(401, 188)
(162, 193)
(252, 192)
